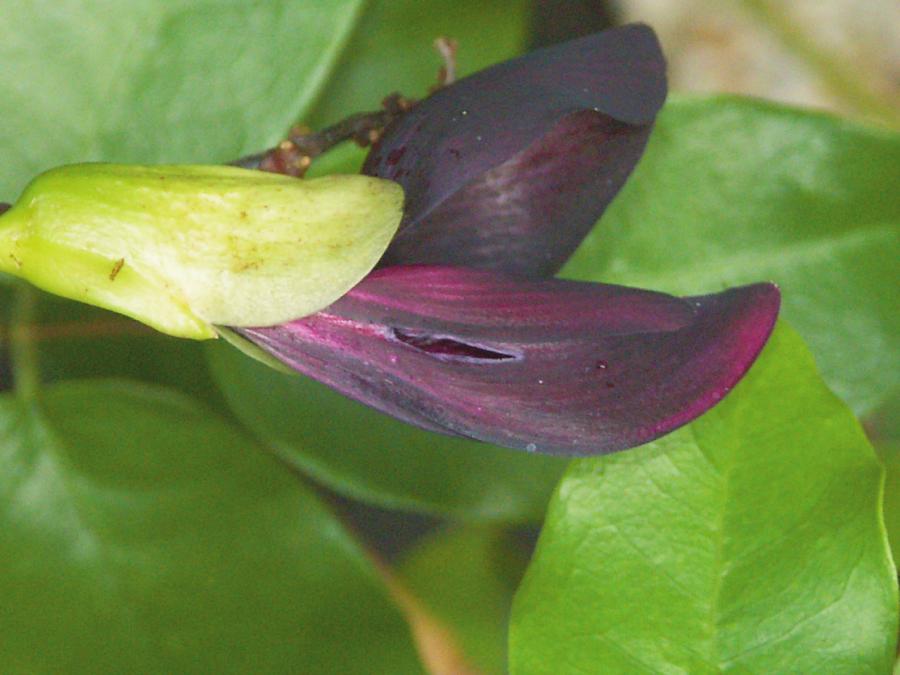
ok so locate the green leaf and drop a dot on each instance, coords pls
(392, 50)
(148, 81)
(466, 578)
(375, 458)
(749, 541)
(139, 533)
(346, 157)
(732, 191)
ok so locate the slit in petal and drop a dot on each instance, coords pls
(448, 348)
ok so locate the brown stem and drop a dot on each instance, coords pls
(86, 330)
(294, 155)
(437, 645)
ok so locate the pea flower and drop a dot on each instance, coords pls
(462, 330)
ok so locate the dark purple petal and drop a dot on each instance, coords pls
(557, 366)
(509, 169)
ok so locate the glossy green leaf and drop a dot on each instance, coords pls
(466, 578)
(732, 191)
(370, 456)
(749, 541)
(183, 248)
(148, 81)
(392, 49)
(139, 533)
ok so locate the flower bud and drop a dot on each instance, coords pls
(183, 248)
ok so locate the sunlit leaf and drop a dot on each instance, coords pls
(149, 81)
(748, 541)
(890, 457)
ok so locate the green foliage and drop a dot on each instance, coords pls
(732, 191)
(149, 81)
(392, 50)
(362, 453)
(139, 533)
(748, 541)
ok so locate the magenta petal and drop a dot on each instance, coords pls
(509, 169)
(556, 366)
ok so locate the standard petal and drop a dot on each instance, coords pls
(509, 168)
(555, 366)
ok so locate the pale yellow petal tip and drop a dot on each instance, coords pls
(184, 248)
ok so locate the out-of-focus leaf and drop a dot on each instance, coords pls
(148, 81)
(76, 341)
(142, 534)
(370, 456)
(346, 157)
(466, 578)
(392, 50)
(732, 191)
(748, 541)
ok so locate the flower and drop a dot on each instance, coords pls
(462, 330)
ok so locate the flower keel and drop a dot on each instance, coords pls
(557, 366)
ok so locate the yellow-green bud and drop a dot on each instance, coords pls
(183, 248)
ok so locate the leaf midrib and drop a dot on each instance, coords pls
(715, 602)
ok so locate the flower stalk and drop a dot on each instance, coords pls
(23, 351)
